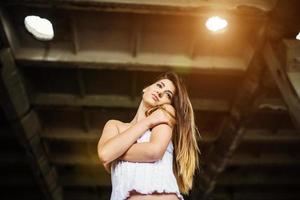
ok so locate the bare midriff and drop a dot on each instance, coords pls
(154, 196)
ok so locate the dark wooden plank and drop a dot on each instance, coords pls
(280, 76)
(232, 129)
(26, 126)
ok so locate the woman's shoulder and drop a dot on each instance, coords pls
(111, 122)
(118, 124)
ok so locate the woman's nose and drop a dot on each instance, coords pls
(159, 94)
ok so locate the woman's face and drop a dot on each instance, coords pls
(160, 92)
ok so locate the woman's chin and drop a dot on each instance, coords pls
(151, 104)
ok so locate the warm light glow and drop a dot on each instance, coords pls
(40, 28)
(216, 23)
(298, 36)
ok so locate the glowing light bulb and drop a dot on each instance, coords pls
(216, 23)
(298, 36)
(40, 28)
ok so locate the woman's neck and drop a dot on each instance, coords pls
(140, 114)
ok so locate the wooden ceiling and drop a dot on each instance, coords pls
(56, 96)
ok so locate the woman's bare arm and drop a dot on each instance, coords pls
(160, 137)
(154, 149)
(112, 148)
(140, 152)
(107, 167)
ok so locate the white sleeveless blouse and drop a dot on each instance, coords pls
(144, 177)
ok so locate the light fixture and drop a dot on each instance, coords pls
(216, 24)
(298, 36)
(40, 28)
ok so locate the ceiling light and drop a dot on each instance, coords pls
(216, 23)
(40, 28)
(298, 36)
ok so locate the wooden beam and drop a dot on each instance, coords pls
(84, 181)
(94, 59)
(264, 159)
(86, 176)
(291, 51)
(26, 126)
(93, 177)
(294, 78)
(83, 160)
(194, 7)
(78, 135)
(251, 48)
(9, 37)
(275, 104)
(267, 136)
(280, 76)
(231, 131)
(239, 160)
(41, 99)
(258, 178)
(257, 136)
(71, 135)
(251, 135)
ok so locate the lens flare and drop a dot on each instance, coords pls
(216, 24)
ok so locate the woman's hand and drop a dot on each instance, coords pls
(162, 114)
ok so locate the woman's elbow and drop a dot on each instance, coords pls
(156, 154)
(102, 156)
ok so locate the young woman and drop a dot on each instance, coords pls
(139, 154)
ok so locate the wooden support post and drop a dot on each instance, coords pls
(110, 101)
(280, 76)
(26, 126)
(230, 133)
(233, 127)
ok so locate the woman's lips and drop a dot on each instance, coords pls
(154, 97)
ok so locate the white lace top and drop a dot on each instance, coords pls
(144, 177)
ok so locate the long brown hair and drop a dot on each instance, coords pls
(185, 135)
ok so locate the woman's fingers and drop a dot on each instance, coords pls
(170, 114)
(162, 114)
